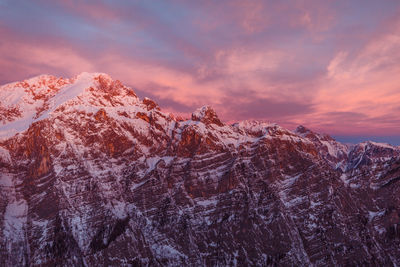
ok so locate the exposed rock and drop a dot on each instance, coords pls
(101, 178)
(206, 115)
(150, 104)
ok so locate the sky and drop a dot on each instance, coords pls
(332, 66)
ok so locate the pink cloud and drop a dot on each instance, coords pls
(97, 10)
(364, 83)
(238, 56)
(23, 59)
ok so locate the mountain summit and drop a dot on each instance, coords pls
(90, 175)
(206, 115)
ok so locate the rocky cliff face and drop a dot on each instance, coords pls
(91, 176)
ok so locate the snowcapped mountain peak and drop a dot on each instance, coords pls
(35, 85)
(150, 104)
(302, 130)
(34, 99)
(40, 79)
(373, 146)
(382, 145)
(307, 133)
(207, 115)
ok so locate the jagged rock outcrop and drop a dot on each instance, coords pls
(206, 115)
(90, 175)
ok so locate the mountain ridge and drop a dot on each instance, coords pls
(48, 80)
(100, 177)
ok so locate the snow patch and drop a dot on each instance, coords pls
(119, 209)
(167, 251)
(343, 177)
(373, 214)
(207, 202)
(6, 180)
(153, 161)
(5, 155)
(15, 217)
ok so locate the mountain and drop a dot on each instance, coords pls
(90, 175)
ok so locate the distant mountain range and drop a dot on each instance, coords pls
(90, 175)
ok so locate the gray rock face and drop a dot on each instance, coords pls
(100, 178)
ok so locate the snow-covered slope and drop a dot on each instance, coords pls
(22, 103)
(91, 175)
